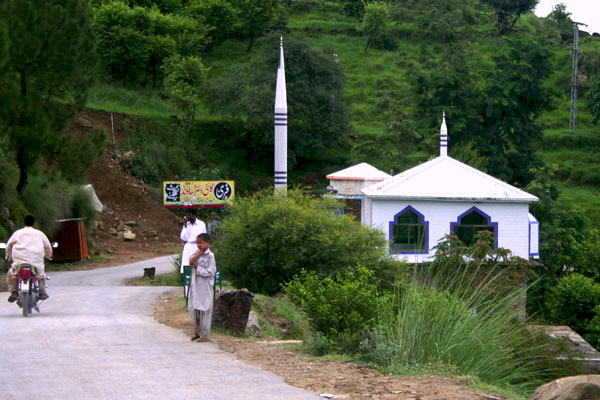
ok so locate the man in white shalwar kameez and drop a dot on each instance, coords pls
(200, 301)
(192, 227)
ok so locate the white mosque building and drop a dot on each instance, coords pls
(418, 207)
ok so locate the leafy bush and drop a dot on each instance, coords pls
(183, 83)
(280, 317)
(144, 167)
(157, 155)
(343, 304)
(389, 273)
(587, 256)
(590, 175)
(385, 40)
(320, 345)
(269, 238)
(571, 302)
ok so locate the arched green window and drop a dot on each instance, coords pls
(408, 232)
(472, 221)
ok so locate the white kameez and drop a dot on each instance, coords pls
(189, 233)
(200, 302)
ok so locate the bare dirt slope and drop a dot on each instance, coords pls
(126, 201)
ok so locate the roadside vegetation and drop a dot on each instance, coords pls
(366, 82)
(451, 318)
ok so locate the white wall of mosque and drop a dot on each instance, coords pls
(351, 187)
(513, 229)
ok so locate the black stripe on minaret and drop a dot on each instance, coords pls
(280, 177)
(280, 119)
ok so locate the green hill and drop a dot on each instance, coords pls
(379, 89)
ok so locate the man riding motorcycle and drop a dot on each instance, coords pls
(27, 246)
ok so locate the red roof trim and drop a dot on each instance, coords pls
(347, 178)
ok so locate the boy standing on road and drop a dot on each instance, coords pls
(200, 302)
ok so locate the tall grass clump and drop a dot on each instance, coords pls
(461, 315)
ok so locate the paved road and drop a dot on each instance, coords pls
(97, 339)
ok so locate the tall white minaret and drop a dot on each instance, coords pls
(280, 126)
(443, 136)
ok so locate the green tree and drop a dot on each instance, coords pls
(508, 12)
(165, 6)
(134, 42)
(567, 240)
(561, 18)
(256, 16)
(444, 22)
(268, 239)
(218, 16)
(45, 79)
(515, 96)
(593, 100)
(314, 83)
(353, 8)
(373, 22)
(121, 46)
(492, 104)
(184, 82)
(572, 301)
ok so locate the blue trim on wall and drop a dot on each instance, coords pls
(423, 221)
(538, 238)
(487, 217)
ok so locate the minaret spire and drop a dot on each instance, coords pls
(280, 126)
(443, 136)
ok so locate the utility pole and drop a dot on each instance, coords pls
(573, 119)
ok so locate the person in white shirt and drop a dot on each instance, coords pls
(192, 227)
(27, 246)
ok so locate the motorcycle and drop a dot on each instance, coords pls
(28, 289)
(28, 286)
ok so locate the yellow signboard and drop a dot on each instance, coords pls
(197, 193)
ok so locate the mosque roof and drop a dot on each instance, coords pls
(445, 178)
(360, 172)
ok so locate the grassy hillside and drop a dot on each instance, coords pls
(376, 77)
